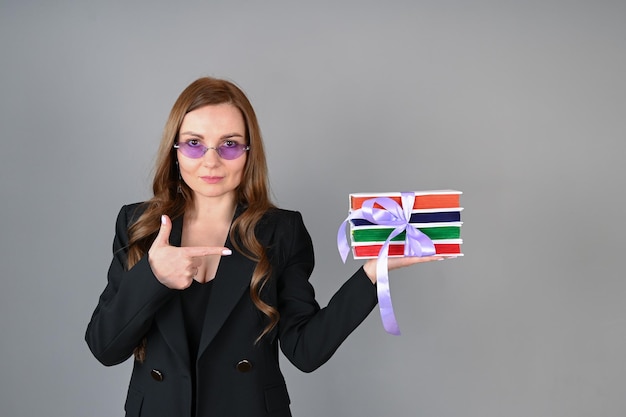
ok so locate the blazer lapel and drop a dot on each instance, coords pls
(170, 318)
(232, 280)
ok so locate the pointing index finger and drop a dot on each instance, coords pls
(199, 251)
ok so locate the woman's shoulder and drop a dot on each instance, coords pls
(131, 212)
(286, 223)
(132, 207)
(281, 216)
(139, 206)
(283, 232)
(279, 221)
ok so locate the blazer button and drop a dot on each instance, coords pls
(156, 375)
(244, 365)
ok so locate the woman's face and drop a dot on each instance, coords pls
(211, 176)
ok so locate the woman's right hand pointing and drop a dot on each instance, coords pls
(176, 267)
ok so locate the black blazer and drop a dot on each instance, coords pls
(235, 376)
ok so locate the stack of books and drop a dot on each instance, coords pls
(435, 213)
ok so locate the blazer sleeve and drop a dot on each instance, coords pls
(128, 304)
(310, 335)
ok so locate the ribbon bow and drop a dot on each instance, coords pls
(416, 244)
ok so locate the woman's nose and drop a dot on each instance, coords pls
(211, 157)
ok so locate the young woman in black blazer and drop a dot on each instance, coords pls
(208, 278)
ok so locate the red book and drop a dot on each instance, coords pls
(372, 250)
(435, 199)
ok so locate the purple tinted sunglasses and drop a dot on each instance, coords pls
(229, 149)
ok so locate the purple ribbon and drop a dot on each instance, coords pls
(416, 244)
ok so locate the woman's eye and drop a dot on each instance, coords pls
(229, 144)
(193, 142)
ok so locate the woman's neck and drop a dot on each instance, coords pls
(212, 208)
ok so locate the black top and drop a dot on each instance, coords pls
(195, 300)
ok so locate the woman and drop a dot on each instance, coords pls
(208, 277)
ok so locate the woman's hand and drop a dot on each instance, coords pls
(399, 262)
(176, 267)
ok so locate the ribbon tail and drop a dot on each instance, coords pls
(384, 295)
(342, 241)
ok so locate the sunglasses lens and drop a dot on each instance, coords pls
(231, 151)
(191, 151)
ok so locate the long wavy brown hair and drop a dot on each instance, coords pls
(172, 196)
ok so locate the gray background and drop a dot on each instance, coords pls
(521, 105)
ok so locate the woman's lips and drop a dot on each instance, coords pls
(211, 180)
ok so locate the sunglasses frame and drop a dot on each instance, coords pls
(243, 149)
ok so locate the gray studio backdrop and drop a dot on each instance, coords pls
(521, 105)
